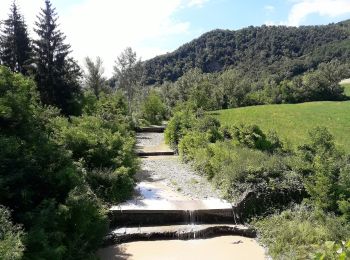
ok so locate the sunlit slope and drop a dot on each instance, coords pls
(292, 121)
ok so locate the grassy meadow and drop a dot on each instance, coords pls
(293, 121)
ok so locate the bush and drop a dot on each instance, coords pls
(190, 143)
(252, 136)
(111, 185)
(102, 140)
(153, 109)
(300, 232)
(327, 175)
(11, 237)
(40, 182)
(178, 126)
(95, 144)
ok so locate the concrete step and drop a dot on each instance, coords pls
(156, 153)
(151, 129)
(150, 212)
(184, 232)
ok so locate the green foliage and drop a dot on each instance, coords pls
(178, 125)
(190, 143)
(235, 88)
(209, 125)
(111, 185)
(252, 136)
(331, 250)
(40, 182)
(15, 47)
(127, 76)
(300, 233)
(73, 230)
(92, 141)
(153, 109)
(103, 143)
(11, 237)
(94, 79)
(271, 50)
(56, 75)
(329, 169)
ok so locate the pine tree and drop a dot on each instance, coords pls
(15, 43)
(56, 74)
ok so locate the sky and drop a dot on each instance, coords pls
(105, 28)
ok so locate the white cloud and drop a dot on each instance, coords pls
(303, 8)
(198, 3)
(269, 8)
(106, 27)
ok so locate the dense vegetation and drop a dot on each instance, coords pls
(57, 175)
(261, 174)
(271, 50)
(67, 152)
(232, 88)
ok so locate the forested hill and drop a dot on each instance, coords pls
(280, 50)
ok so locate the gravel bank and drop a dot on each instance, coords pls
(178, 176)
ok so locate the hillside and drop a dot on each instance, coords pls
(280, 50)
(292, 121)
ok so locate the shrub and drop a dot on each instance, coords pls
(178, 126)
(300, 232)
(111, 185)
(95, 144)
(190, 143)
(252, 136)
(153, 109)
(210, 125)
(40, 182)
(11, 237)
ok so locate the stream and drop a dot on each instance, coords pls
(175, 214)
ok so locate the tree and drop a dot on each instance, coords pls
(11, 236)
(94, 79)
(153, 108)
(56, 74)
(15, 43)
(40, 183)
(128, 73)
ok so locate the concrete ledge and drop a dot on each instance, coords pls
(161, 153)
(135, 217)
(182, 232)
(151, 129)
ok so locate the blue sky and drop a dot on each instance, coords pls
(151, 27)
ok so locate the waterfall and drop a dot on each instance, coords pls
(191, 222)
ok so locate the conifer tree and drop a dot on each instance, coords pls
(15, 43)
(56, 74)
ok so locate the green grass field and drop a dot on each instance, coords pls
(293, 121)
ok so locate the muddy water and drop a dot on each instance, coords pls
(221, 248)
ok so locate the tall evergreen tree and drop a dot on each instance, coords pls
(15, 43)
(56, 74)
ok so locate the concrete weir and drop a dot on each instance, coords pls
(181, 232)
(150, 212)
